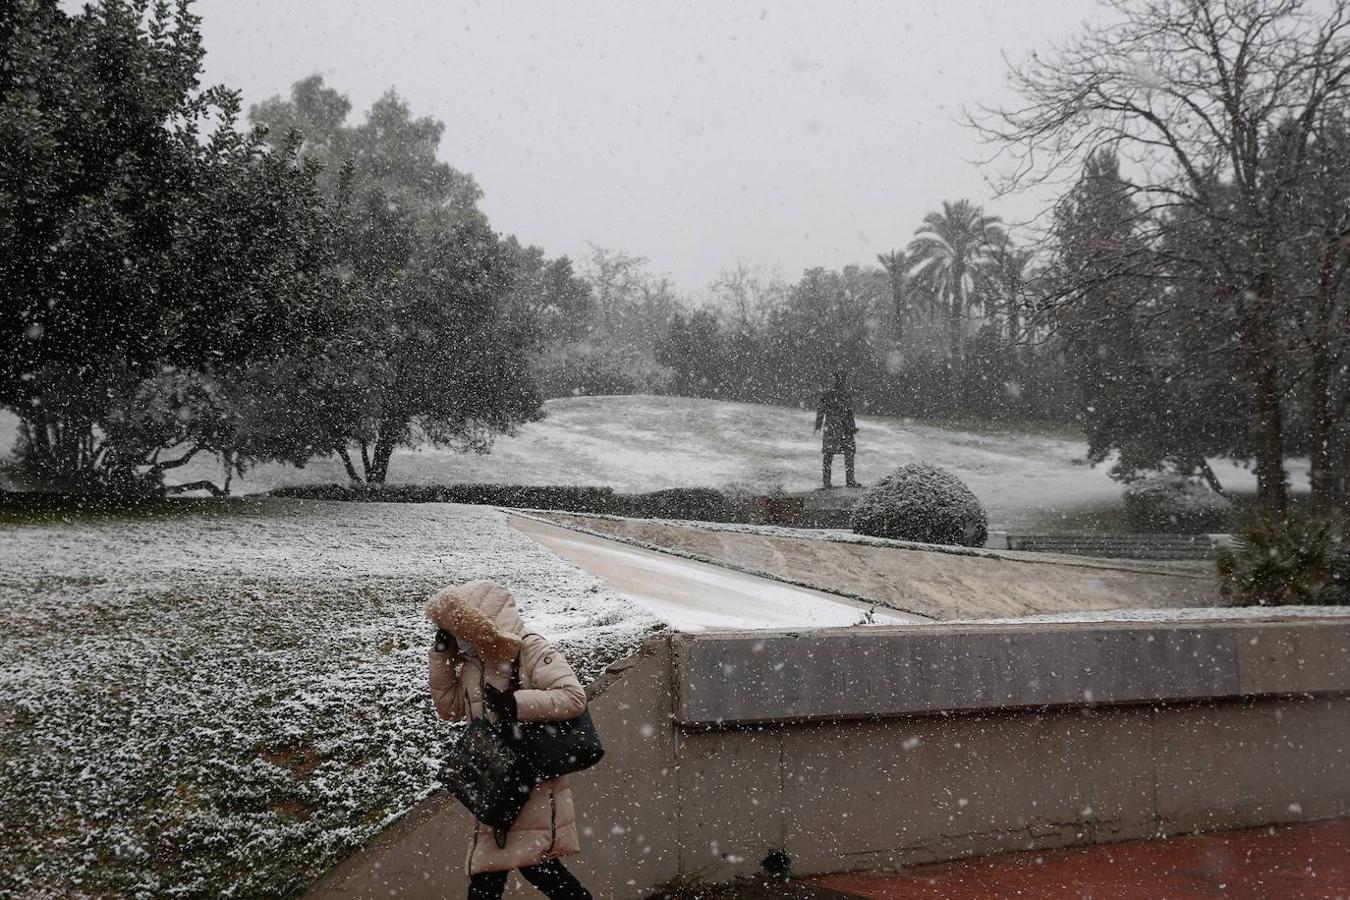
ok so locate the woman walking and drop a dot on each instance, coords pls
(471, 675)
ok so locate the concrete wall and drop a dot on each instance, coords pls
(884, 672)
(942, 742)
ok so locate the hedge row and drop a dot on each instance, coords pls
(703, 504)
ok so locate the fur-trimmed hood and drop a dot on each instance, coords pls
(484, 614)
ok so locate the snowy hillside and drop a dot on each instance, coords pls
(642, 443)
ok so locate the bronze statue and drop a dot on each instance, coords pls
(835, 411)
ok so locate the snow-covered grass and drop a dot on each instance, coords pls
(1025, 480)
(226, 701)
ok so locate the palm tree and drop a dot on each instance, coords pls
(895, 264)
(1011, 276)
(952, 260)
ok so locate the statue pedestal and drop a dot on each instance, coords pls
(835, 498)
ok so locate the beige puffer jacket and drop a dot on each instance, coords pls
(484, 614)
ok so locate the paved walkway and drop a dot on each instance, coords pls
(936, 583)
(695, 596)
(1309, 861)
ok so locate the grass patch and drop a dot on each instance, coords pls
(196, 704)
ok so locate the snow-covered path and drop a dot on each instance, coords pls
(696, 596)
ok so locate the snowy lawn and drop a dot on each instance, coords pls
(224, 701)
(1026, 481)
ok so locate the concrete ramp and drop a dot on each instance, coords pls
(932, 582)
(696, 596)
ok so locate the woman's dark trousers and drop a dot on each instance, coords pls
(551, 878)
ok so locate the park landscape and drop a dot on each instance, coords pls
(229, 397)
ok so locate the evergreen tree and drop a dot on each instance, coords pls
(429, 350)
(1139, 330)
(149, 256)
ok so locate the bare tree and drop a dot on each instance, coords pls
(745, 294)
(1191, 94)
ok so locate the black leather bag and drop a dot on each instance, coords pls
(553, 749)
(486, 771)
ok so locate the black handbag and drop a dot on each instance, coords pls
(553, 749)
(486, 771)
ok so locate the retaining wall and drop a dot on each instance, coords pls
(868, 747)
(1120, 546)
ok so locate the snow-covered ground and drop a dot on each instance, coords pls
(643, 443)
(223, 703)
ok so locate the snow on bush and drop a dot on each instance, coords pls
(226, 702)
(919, 502)
(1170, 503)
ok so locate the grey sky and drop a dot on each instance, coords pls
(781, 134)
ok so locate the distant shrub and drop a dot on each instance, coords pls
(1175, 505)
(527, 496)
(1303, 560)
(702, 504)
(923, 503)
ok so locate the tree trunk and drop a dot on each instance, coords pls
(202, 485)
(61, 453)
(384, 448)
(1272, 488)
(341, 450)
(1261, 342)
(1322, 474)
(1210, 478)
(1344, 487)
(954, 326)
(898, 300)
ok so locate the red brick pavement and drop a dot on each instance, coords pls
(1309, 860)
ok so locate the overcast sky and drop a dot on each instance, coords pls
(786, 135)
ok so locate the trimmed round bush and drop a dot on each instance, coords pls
(1175, 505)
(923, 503)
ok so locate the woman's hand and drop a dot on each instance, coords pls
(503, 703)
(445, 641)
